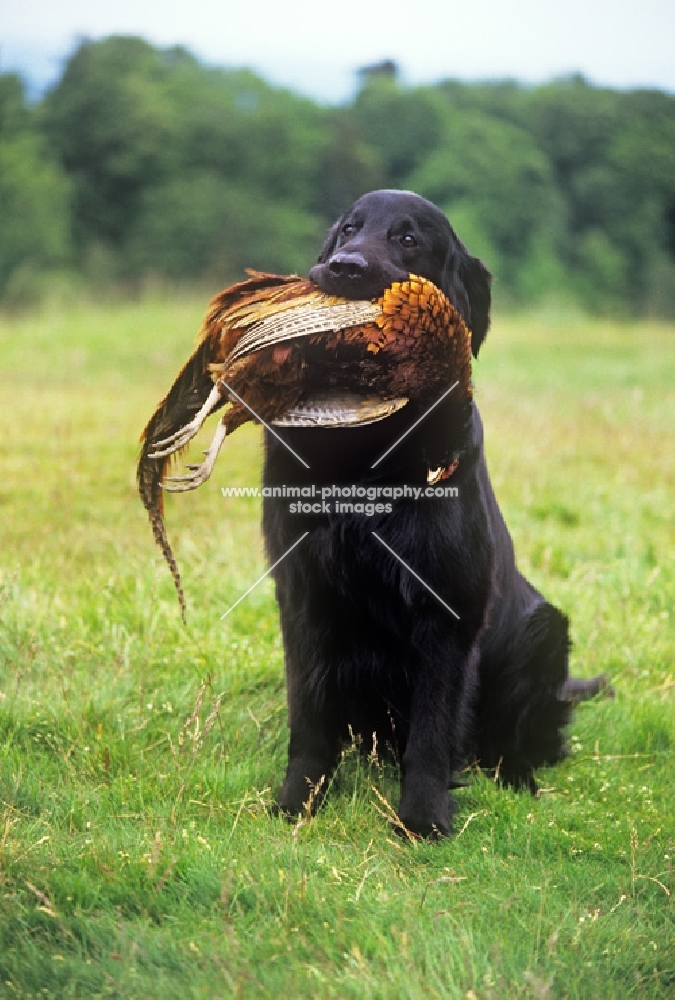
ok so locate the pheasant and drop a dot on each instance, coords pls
(277, 349)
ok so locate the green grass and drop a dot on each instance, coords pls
(138, 759)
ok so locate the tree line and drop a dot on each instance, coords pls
(144, 162)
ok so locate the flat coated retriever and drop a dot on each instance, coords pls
(369, 649)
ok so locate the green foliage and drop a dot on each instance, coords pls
(179, 169)
(199, 225)
(34, 208)
(614, 158)
(403, 126)
(138, 759)
(35, 195)
(183, 171)
(112, 126)
(495, 169)
(347, 165)
(13, 109)
(234, 124)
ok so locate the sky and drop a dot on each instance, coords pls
(316, 48)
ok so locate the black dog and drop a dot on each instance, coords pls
(369, 649)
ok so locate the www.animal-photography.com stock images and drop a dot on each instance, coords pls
(337, 547)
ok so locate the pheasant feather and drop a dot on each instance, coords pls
(277, 348)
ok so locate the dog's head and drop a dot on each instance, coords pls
(387, 235)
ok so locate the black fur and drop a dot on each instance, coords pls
(368, 648)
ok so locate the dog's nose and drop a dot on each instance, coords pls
(347, 264)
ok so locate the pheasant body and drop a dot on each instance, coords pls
(271, 345)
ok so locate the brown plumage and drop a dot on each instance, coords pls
(272, 342)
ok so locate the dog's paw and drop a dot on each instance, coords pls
(301, 793)
(426, 812)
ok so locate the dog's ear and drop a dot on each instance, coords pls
(467, 284)
(477, 280)
(328, 249)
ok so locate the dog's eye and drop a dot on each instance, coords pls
(408, 240)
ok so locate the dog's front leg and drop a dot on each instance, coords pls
(436, 744)
(313, 749)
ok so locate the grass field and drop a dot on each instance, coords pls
(139, 758)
